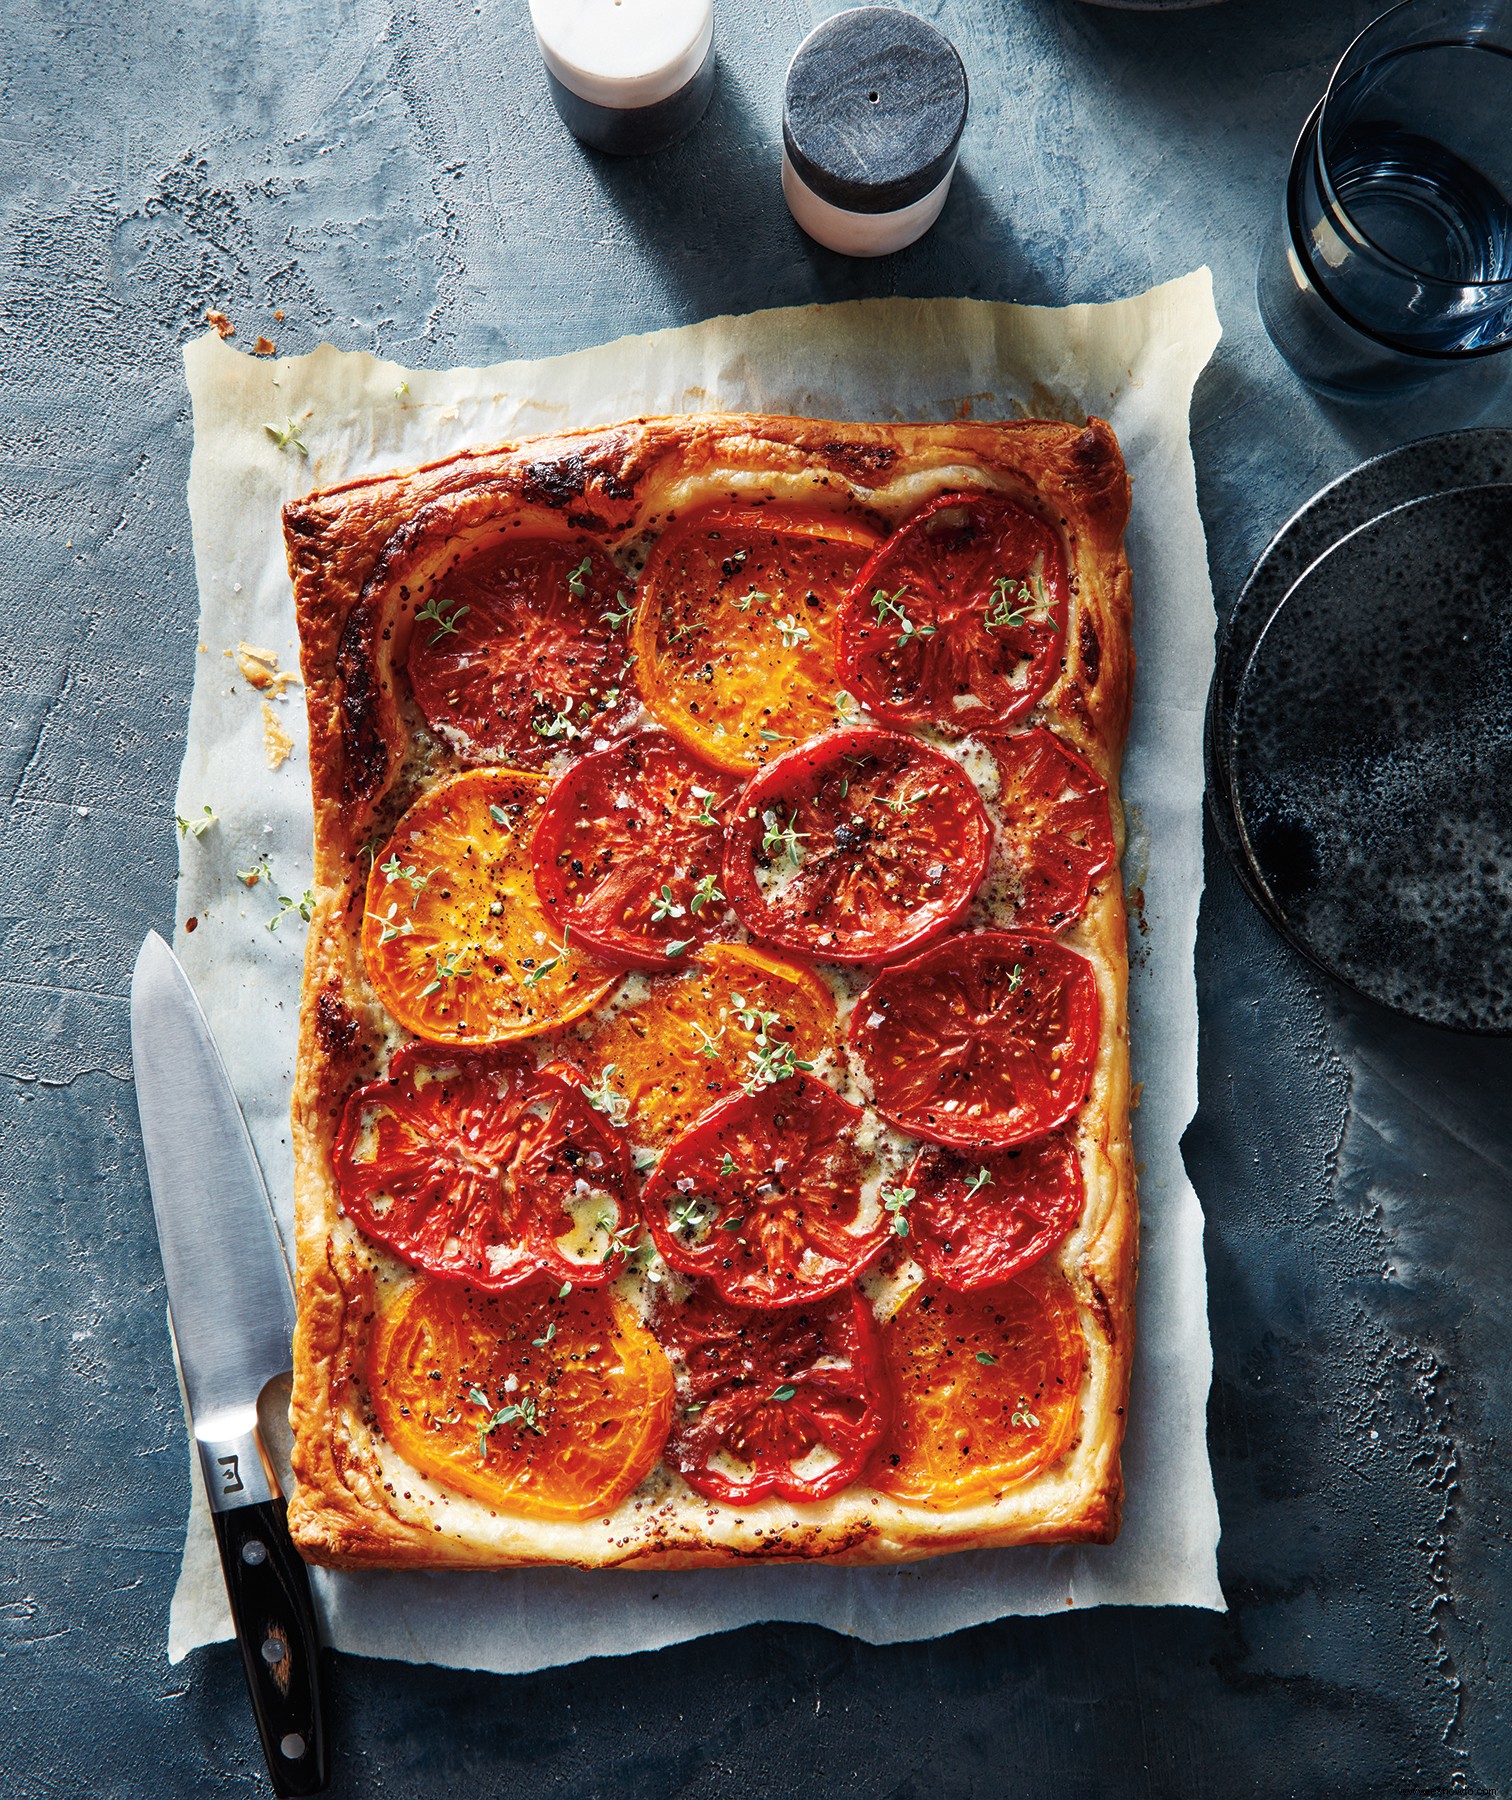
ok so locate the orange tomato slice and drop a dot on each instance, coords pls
(986, 1389)
(735, 631)
(454, 937)
(552, 1407)
(686, 1046)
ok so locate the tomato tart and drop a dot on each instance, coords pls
(712, 1112)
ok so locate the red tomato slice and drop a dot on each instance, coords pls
(764, 1196)
(856, 847)
(627, 851)
(958, 619)
(520, 650)
(481, 1168)
(1057, 835)
(977, 1221)
(982, 1042)
(786, 1403)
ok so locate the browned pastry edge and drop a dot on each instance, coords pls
(364, 556)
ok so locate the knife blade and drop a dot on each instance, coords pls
(232, 1307)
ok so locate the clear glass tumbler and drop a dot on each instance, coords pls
(1396, 259)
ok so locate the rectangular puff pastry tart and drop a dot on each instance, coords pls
(712, 1113)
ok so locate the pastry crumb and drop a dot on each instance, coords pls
(277, 744)
(221, 323)
(260, 670)
(278, 314)
(265, 347)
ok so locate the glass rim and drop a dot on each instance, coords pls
(1317, 124)
(1420, 353)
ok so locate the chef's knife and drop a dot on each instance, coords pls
(233, 1319)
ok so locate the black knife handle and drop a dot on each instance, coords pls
(275, 1626)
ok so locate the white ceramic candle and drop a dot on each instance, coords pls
(872, 118)
(627, 76)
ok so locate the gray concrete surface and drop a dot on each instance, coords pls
(390, 175)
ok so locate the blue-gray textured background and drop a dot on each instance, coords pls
(391, 176)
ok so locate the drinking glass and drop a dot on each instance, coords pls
(1396, 259)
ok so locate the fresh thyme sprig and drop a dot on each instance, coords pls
(784, 839)
(448, 968)
(287, 904)
(544, 967)
(665, 904)
(436, 611)
(621, 613)
(890, 606)
(771, 1059)
(387, 929)
(896, 1201)
(287, 437)
(691, 1217)
(707, 893)
(394, 870)
(1013, 604)
(518, 1412)
(558, 724)
(605, 1098)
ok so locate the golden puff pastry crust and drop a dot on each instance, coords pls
(365, 556)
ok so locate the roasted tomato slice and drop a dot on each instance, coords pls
(627, 851)
(454, 939)
(981, 1042)
(857, 847)
(977, 1221)
(737, 1018)
(770, 1196)
(553, 1406)
(735, 632)
(520, 648)
(480, 1167)
(986, 1389)
(957, 621)
(787, 1403)
(1056, 841)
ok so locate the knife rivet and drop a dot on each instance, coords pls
(274, 1650)
(293, 1746)
(254, 1551)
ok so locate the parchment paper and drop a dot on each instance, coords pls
(1135, 362)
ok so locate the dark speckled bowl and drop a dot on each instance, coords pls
(1360, 731)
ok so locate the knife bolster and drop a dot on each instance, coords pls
(233, 1461)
